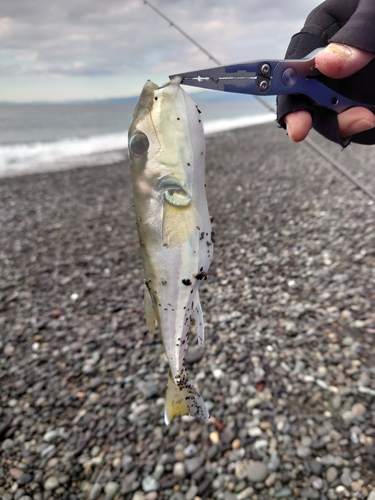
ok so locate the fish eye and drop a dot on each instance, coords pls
(176, 196)
(138, 144)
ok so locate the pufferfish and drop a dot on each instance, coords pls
(167, 156)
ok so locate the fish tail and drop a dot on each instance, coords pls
(183, 399)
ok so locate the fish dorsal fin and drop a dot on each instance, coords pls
(197, 316)
(149, 311)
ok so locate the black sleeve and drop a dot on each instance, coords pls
(344, 21)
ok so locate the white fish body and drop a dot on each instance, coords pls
(167, 156)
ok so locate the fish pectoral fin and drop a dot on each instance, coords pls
(197, 316)
(151, 320)
(183, 400)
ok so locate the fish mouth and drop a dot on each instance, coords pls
(174, 193)
(175, 81)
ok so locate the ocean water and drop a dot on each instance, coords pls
(47, 137)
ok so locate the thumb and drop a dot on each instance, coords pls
(338, 60)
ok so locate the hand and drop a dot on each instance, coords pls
(336, 61)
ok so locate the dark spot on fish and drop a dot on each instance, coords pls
(201, 276)
(202, 152)
(186, 282)
(188, 164)
(213, 236)
(198, 228)
(165, 244)
(155, 98)
(177, 118)
(208, 243)
(200, 121)
(163, 283)
(212, 219)
(202, 235)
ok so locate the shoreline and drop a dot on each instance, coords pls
(106, 149)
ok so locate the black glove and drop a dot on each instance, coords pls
(351, 22)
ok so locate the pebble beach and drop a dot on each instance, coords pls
(288, 366)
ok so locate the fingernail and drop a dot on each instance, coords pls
(357, 127)
(339, 49)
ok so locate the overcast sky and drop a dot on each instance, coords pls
(84, 49)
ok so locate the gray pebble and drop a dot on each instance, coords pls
(51, 435)
(316, 467)
(358, 410)
(191, 492)
(51, 483)
(192, 464)
(346, 478)
(283, 493)
(246, 494)
(95, 491)
(177, 495)
(149, 483)
(303, 452)
(331, 474)
(148, 389)
(110, 489)
(257, 472)
(190, 451)
(317, 483)
(24, 479)
(158, 471)
(273, 463)
(7, 444)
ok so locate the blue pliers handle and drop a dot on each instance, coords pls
(272, 77)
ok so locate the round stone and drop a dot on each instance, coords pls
(51, 483)
(111, 488)
(149, 483)
(257, 472)
(358, 410)
(190, 451)
(331, 474)
(179, 470)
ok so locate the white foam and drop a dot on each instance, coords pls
(233, 123)
(19, 159)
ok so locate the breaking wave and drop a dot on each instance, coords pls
(19, 159)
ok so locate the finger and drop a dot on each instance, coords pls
(355, 120)
(339, 61)
(298, 125)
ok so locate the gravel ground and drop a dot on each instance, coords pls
(288, 366)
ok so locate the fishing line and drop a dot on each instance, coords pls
(308, 140)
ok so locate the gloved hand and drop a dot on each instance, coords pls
(350, 25)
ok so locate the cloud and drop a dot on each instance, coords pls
(91, 37)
